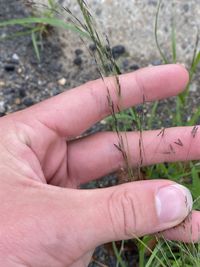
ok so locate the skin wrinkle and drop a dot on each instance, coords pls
(54, 129)
(24, 138)
(46, 164)
(15, 162)
(114, 95)
(54, 176)
(102, 110)
(34, 145)
(71, 178)
(140, 87)
(111, 214)
(125, 202)
(20, 262)
(67, 162)
(42, 163)
(14, 263)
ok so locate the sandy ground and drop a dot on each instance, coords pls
(132, 23)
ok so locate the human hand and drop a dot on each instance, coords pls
(45, 219)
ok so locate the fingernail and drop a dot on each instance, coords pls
(173, 204)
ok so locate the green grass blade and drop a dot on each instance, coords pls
(118, 256)
(50, 21)
(51, 3)
(35, 45)
(174, 55)
(178, 115)
(142, 250)
(18, 34)
(176, 264)
(183, 96)
(195, 64)
(156, 33)
(195, 182)
(153, 256)
(194, 118)
(152, 115)
(161, 263)
(195, 56)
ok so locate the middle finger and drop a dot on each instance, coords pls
(97, 155)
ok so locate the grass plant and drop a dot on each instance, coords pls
(41, 25)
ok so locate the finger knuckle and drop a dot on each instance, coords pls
(99, 100)
(141, 87)
(122, 212)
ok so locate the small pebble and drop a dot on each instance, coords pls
(3, 35)
(17, 101)
(9, 67)
(2, 107)
(139, 109)
(2, 83)
(62, 81)
(28, 102)
(78, 52)
(9, 91)
(186, 7)
(103, 122)
(19, 71)
(55, 91)
(156, 62)
(98, 11)
(125, 64)
(134, 67)
(153, 2)
(78, 61)
(15, 57)
(40, 82)
(118, 51)
(22, 92)
(193, 87)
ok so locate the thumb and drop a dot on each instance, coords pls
(132, 209)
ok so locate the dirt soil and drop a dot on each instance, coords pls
(65, 64)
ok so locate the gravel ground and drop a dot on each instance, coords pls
(132, 23)
(65, 62)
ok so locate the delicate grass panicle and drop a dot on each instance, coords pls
(151, 251)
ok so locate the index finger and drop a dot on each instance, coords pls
(72, 112)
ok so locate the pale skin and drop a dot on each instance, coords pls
(45, 219)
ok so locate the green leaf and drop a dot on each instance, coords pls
(194, 118)
(156, 34)
(173, 42)
(35, 45)
(152, 115)
(49, 21)
(118, 256)
(196, 62)
(195, 183)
